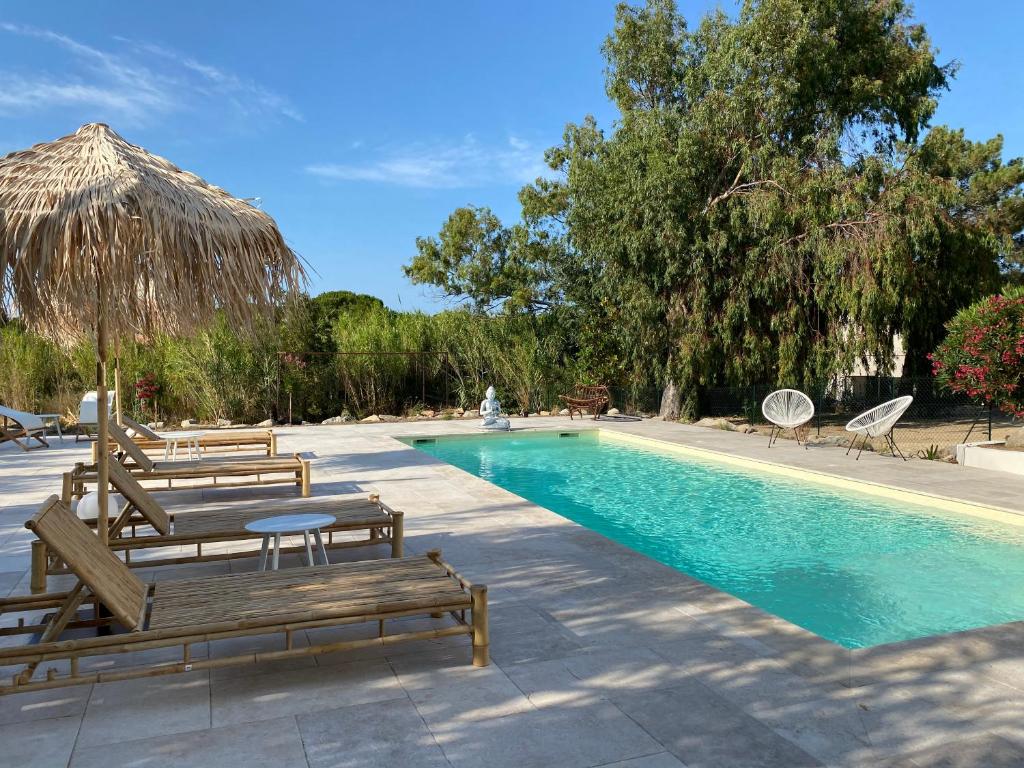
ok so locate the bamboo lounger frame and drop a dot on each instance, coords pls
(144, 524)
(212, 441)
(294, 468)
(182, 613)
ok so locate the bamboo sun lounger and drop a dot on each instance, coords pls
(181, 613)
(144, 525)
(249, 470)
(213, 441)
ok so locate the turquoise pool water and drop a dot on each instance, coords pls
(858, 570)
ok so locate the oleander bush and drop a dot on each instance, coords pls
(983, 352)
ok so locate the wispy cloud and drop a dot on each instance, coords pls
(464, 163)
(133, 81)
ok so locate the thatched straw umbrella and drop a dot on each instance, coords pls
(97, 236)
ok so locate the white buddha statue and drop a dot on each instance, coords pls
(490, 410)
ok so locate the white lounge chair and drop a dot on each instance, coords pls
(787, 409)
(879, 422)
(88, 415)
(19, 425)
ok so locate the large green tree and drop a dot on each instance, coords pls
(768, 207)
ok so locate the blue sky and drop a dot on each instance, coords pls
(361, 126)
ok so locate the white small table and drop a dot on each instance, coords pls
(55, 418)
(173, 439)
(290, 524)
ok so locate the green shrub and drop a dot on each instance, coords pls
(983, 352)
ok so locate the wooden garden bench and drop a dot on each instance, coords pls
(186, 612)
(144, 524)
(591, 399)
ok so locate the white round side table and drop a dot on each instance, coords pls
(275, 526)
(173, 439)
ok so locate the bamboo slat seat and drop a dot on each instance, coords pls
(338, 590)
(348, 513)
(145, 524)
(180, 613)
(249, 470)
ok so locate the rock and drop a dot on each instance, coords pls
(189, 423)
(428, 414)
(710, 422)
(613, 411)
(155, 425)
(749, 430)
(837, 440)
(389, 418)
(1015, 439)
(342, 419)
(460, 411)
(564, 412)
(372, 419)
(534, 413)
(545, 413)
(223, 422)
(470, 415)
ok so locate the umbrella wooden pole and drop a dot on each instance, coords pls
(117, 389)
(103, 441)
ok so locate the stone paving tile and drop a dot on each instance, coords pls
(9, 580)
(739, 673)
(661, 760)
(235, 646)
(380, 735)
(850, 727)
(571, 738)
(267, 744)
(444, 700)
(986, 751)
(594, 674)
(266, 696)
(46, 744)
(149, 706)
(45, 704)
(703, 729)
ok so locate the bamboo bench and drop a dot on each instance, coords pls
(182, 613)
(212, 441)
(294, 469)
(145, 525)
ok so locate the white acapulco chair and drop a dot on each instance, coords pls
(879, 422)
(787, 409)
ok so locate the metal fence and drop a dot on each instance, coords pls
(935, 418)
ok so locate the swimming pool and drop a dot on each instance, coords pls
(859, 570)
